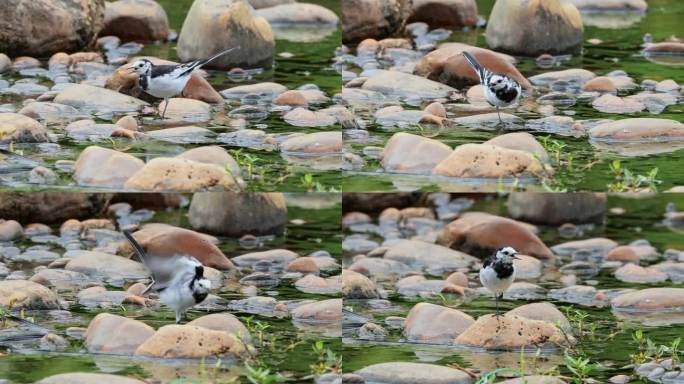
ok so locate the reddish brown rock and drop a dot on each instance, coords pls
(448, 64)
(482, 233)
(488, 161)
(304, 265)
(163, 239)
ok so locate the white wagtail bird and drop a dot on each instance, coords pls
(166, 81)
(498, 273)
(500, 90)
(179, 280)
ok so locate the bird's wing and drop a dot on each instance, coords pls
(481, 71)
(161, 70)
(191, 66)
(178, 268)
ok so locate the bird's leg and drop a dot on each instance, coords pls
(497, 297)
(179, 317)
(499, 114)
(166, 104)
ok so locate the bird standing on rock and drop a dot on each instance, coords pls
(500, 90)
(179, 279)
(166, 81)
(498, 273)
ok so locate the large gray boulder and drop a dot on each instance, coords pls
(43, 27)
(212, 26)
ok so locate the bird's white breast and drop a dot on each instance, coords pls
(491, 281)
(167, 86)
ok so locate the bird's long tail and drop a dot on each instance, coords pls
(199, 63)
(479, 69)
(139, 251)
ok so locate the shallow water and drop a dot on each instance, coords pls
(643, 219)
(618, 51)
(310, 63)
(318, 230)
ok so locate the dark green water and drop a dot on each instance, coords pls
(619, 51)
(642, 220)
(320, 231)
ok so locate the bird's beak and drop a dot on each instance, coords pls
(515, 257)
(131, 70)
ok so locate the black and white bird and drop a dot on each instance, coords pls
(167, 81)
(498, 273)
(500, 90)
(179, 279)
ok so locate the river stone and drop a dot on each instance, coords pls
(114, 334)
(18, 128)
(403, 85)
(185, 110)
(434, 324)
(543, 311)
(521, 141)
(531, 27)
(213, 154)
(488, 161)
(574, 75)
(632, 273)
(164, 239)
(188, 341)
(273, 256)
(164, 174)
(50, 112)
(482, 233)
(650, 299)
(51, 207)
(632, 253)
(10, 230)
(305, 265)
(449, 14)
(357, 286)
(597, 244)
(5, 63)
(266, 89)
(373, 18)
(27, 294)
(636, 129)
(408, 153)
(235, 22)
(61, 279)
(411, 373)
(183, 135)
(327, 311)
(314, 143)
(298, 14)
(535, 379)
(430, 257)
(378, 268)
(43, 27)
(88, 378)
(615, 104)
(135, 20)
(103, 167)
(600, 84)
(527, 267)
(88, 98)
(237, 214)
(609, 5)
(115, 270)
(224, 322)
(509, 332)
(556, 209)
